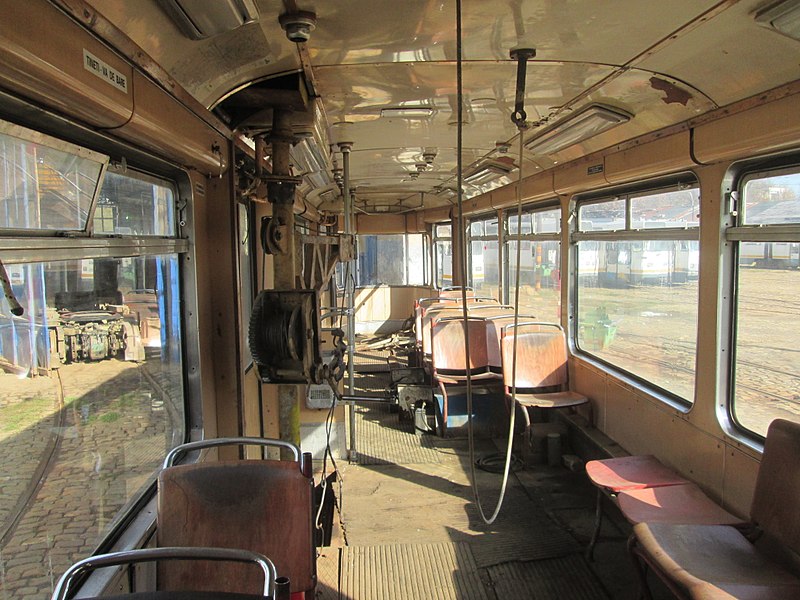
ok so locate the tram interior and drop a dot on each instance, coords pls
(509, 289)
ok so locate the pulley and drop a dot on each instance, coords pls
(274, 236)
(284, 337)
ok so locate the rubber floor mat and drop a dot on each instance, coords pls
(552, 579)
(382, 439)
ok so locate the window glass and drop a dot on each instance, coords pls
(637, 299)
(129, 206)
(44, 188)
(91, 399)
(513, 223)
(443, 255)
(602, 216)
(484, 257)
(766, 380)
(546, 221)
(767, 369)
(772, 200)
(637, 308)
(540, 278)
(398, 259)
(245, 273)
(441, 231)
(540, 263)
(679, 208)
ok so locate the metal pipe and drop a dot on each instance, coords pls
(282, 589)
(281, 196)
(349, 296)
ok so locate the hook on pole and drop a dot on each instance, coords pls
(522, 56)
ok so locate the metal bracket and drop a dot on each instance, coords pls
(522, 56)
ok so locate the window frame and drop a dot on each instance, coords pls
(426, 261)
(737, 232)
(35, 137)
(508, 237)
(484, 237)
(25, 246)
(628, 234)
(435, 266)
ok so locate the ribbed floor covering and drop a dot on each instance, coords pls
(443, 571)
(383, 439)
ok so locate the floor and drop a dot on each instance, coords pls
(410, 527)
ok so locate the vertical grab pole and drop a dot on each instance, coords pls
(345, 147)
(280, 193)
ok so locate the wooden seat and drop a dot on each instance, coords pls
(727, 591)
(684, 503)
(261, 505)
(631, 473)
(716, 561)
(541, 377)
(615, 475)
(440, 311)
(448, 356)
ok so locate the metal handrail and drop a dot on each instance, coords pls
(213, 442)
(170, 553)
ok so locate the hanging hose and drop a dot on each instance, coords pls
(518, 117)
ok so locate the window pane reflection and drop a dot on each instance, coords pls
(767, 365)
(540, 278)
(44, 188)
(91, 399)
(637, 304)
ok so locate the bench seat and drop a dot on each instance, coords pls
(683, 503)
(703, 560)
(717, 562)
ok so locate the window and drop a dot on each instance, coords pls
(45, 184)
(443, 255)
(540, 262)
(484, 257)
(636, 271)
(766, 366)
(397, 259)
(91, 380)
(134, 206)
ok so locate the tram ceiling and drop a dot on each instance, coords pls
(389, 69)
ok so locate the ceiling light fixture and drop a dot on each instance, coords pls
(589, 122)
(200, 19)
(784, 17)
(407, 112)
(488, 171)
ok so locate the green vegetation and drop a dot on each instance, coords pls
(22, 415)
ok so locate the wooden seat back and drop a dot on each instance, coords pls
(496, 320)
(445, 311)
(541, 356)
(455, 293)
(260, 505)
(448, 346)
(774, 507)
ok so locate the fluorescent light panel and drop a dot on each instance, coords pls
(784, 17)
(488, 171)
(200, 19)
(407, 112)
(587, 123)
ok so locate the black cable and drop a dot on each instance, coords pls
(496, 462)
